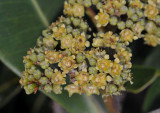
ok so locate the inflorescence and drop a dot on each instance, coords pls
(70, 56)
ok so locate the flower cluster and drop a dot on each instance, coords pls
(70, 56)
(142, 19)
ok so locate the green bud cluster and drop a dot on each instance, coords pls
(69, 56)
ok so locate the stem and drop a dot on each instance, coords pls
(109, 100)
(110, 104)
(92, 14)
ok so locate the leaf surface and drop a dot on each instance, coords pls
(143, 76)
(152, 98)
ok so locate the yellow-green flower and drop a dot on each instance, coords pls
(99, 80)
(58, 32)
(102, 19)
(73, 89)
(82, 78)
(79, 43)
(104, 65)
(152, 40)
(127, 35)
(136, 4)
(151, 11)
(116, 69)
(67, 41)
(78, 10)
(52, 56)
(110, 40)
(67, 63)
(91, 89)
(58, 78)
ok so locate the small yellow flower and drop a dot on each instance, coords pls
(110, 40)
(58, 78)
(24, 81)
(67, 9)
(123, 55)
(79, 42)
(104, 65)
(108, 7)
(136, 4)
(151, 40)
(109, 78)
(99, 80)
(73, 89)
(91, 89)
(57, 89)
(127, 35)
(102, 19)
(116, 69)
(78, 10)
(58, 32)
(137, 29)
(52, 56)
(67, 64)
(97, 42)
(96, 53)
(82, 78)
(67, 41)
(49, 42)
(82, 66)
(151, 11)
(119, 3)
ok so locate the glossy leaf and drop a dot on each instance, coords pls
(78, 103)
(143, 76)
(152, 99)
(20, 26)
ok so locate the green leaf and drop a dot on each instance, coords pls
(143, 76)
(78, 103)
(20, 26)
(154, 58)
(152, 99)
